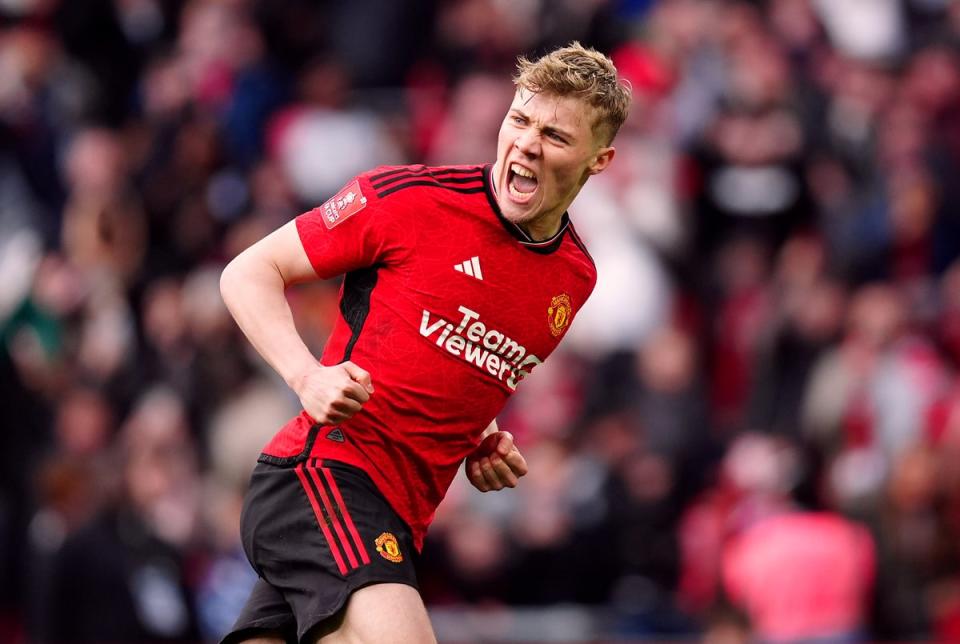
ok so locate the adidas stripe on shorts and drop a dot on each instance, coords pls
(315, 532)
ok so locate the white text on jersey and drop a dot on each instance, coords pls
(486, 349)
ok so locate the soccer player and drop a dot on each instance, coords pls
(458, 282)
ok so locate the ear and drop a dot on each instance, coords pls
(602, 160)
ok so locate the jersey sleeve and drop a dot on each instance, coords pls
(351, 230)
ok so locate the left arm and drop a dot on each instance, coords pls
(496, 463)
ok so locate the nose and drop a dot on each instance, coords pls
(528, 143)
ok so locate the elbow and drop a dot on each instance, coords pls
(229, 280)
(248, 275)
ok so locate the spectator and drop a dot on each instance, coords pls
(128, 563)
(802, 577)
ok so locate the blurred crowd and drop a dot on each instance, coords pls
(751, 430)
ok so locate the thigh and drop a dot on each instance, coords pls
(380, 614)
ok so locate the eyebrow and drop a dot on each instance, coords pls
(547, 129)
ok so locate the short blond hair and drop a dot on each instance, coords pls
(584, 73)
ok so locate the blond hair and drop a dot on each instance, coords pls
(583, 73)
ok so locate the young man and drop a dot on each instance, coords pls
(458, 282)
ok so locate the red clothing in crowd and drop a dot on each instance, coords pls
(801, 575)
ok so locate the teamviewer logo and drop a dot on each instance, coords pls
(471, 267)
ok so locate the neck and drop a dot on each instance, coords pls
(542, 229)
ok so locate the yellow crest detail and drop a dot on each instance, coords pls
(559, 314)
(388, 547)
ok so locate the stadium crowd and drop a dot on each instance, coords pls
(752, 428)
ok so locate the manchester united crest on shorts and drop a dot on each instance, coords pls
(559, 313)
(388, 547)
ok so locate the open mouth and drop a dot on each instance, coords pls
(521, 183)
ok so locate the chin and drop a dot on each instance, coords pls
(517, 212)
(518, 218)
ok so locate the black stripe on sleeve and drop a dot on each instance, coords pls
(414, 169)
(445, 180)
(423, 170)
(430, 184)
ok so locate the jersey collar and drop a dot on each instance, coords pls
(544, 247)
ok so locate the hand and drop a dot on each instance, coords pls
(331, 395)
(496, 463)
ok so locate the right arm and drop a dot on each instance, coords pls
(253, 286)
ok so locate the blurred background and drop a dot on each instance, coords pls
(752, 431)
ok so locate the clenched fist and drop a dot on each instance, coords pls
(331, 395)
(496, 463)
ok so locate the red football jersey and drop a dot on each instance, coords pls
(448, 305)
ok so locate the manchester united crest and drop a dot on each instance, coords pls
(559, 313)
(388, 547)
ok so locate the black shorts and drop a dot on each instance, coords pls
(316, 532)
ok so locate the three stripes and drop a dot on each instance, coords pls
(332, 516)
(462, 180)
(471, 267)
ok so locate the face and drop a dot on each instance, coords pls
(545, 153)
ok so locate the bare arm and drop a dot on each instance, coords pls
(253, 286)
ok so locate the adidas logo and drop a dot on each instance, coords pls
(336, 435)
(471, 267)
